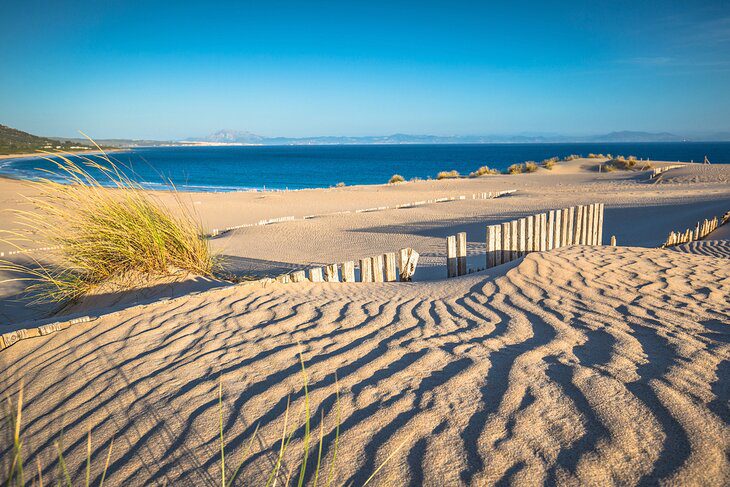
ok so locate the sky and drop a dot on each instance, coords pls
(168, 70)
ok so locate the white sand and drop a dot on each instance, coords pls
(579, 366)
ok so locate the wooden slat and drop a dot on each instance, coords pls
(590, 225)
(497, 244)
(584, 226)
(550, 229)
(347, 269)
(315, 275)
(299, 276)
(330, 273)
(391, 272)
(571, 222)
(558, 227)
(366, 270)
(377, 268)
(461, 253)
(491, 246)
(513, 239)
(506, 243)
(522, 236)
(543, 232)
(564, 227)
(613, 240)
(530, 237)
(600, 223)
(451, 266)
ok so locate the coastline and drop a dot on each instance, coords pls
(90, 152)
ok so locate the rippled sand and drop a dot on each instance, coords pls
(581, 366)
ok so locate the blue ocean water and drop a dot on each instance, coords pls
(295, 167)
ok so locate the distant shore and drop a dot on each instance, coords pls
(90, 152)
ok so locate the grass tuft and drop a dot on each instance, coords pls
(396, 178)
(106, 228)
(453, 174)
(483, 171)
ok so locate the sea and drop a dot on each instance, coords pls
(237, 168)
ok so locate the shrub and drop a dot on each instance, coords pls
(340, 185)
(549, 163)
(516, 169)
(596, 156)
(571, 157)
(621, 163)
(608, 167)
(483, 171)
(102, 234)
(530, 166)
(448, 174)
(396, 178)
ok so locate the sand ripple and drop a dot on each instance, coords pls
(583, 366)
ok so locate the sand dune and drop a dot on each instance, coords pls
(582, 366)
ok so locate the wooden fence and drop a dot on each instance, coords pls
(577, 225)
(388, 267)
(657, 171)
(700, 231)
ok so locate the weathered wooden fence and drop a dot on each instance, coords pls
(657, 171)
(700, 231)
(577, 225)
(388, 267)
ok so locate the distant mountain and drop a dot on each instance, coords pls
(629, 136)
(248, 138)
(14, 141)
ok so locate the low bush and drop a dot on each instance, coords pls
(530, 166)
(549, 163)
(483, 171)
(396, 178)
(571, 157)
(448, 174)
(340, 185)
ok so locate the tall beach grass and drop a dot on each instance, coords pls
(105, 227)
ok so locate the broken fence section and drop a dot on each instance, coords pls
(388, 267)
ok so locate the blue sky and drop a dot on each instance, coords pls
(176, 69)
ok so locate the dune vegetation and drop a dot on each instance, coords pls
(104, 227)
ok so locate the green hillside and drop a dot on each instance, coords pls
(13, 141)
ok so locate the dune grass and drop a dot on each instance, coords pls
(12, 465)
(453, 174)
(483, 171)
(105, 227)
(396, 178)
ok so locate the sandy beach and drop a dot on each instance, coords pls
(578, 366)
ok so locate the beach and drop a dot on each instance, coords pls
(584, 365)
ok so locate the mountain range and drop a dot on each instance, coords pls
(248, 138)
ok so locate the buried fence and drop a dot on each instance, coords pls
(700, 231)
(577, 225)
(388, 267)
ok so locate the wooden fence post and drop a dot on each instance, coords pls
(613, 240)
(298, 276)
(571, 223)
(530, 239)
(348, 271)
(513, 239)
(589, 225)
(557, 237)
(506, 243)
(451, 266)
(543, 232)
(408, 263)
(315, 275)
(330, 273)
(461, 253)
(491, 246)
(366, 270)
(578, 227)
(522, 236)
(564, 228)
(391, 273)
(497, 244)
(550, 229)
(584, 226)
(377, 268)
(600, 223)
